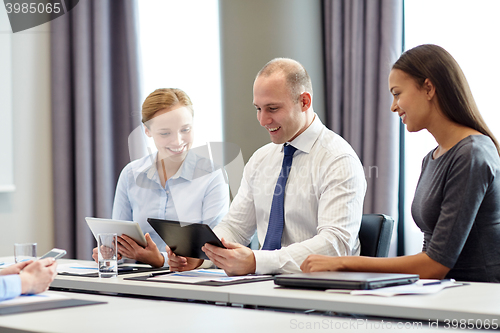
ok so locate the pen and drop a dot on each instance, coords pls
(160, 273)
(437, 282)
(127, 269)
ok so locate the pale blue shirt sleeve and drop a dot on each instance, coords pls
(122, 209)
(215, 201)
(10, 286)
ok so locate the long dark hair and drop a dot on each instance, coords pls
(452, 90)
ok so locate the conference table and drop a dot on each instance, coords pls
(124, 315)
(474, 304)
(475, 301)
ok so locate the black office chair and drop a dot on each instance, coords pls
(375, 235)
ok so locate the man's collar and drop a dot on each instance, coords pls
(306, 139)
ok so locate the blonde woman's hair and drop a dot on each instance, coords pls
(164, 98)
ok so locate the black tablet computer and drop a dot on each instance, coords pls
(185, 239)
(343, 280)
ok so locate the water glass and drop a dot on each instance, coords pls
(107, 252)
(24, 252)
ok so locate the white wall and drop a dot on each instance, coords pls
(6, 149)
(26, 214)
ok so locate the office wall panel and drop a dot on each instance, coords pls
(26, 214)
(252, 33)
(6, 163)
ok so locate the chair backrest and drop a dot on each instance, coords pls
(375, 235)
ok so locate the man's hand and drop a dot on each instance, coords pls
(318, 263)
(37, 276)
(235, 259)
(16, 268)
(180, 264)
(149, 254)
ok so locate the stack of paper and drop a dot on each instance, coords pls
(420, 287)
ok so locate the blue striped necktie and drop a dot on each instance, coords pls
(277, 216)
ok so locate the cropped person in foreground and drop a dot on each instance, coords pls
(28, 277)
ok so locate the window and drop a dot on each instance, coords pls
(469, 31)
(179, 44)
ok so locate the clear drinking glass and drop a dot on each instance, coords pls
(107, 251)
(24, 252)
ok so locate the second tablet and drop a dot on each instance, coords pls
(185, 239)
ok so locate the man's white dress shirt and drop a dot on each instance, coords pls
(323, 201)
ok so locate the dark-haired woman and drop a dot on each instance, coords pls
(457, 200)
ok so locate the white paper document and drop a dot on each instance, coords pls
(78, 268)
(202, 275)
(421, 287)
(5, 264)
(28, 299)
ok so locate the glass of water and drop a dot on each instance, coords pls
(107, 251)
(24, 252)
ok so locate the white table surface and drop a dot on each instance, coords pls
(477, 301)
(137, 315)
(143, 288)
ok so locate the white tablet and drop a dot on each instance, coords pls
(129, 228)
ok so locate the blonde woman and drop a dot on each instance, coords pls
(173, 184)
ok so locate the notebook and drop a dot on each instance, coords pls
(343, 280)
(185, 239)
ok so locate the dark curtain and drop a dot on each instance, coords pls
(363, 38)
(95, 106)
